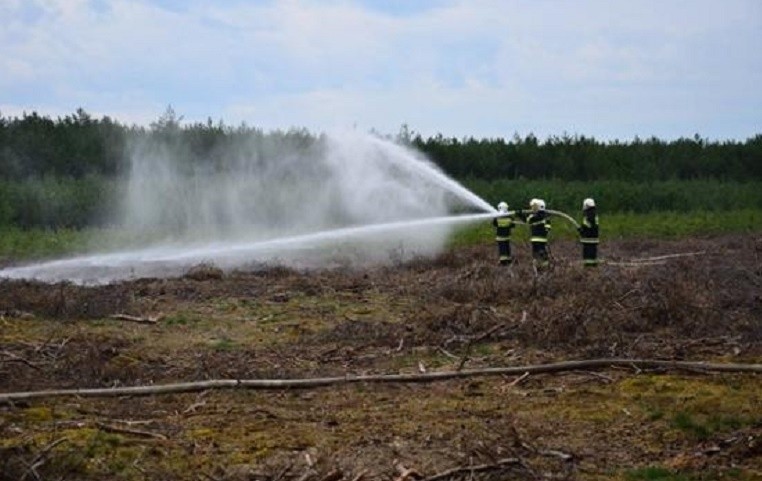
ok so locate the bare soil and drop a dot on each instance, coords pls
(458, 310)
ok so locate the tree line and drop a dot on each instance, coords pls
(581, 158)
(65, 171)
(78, 145)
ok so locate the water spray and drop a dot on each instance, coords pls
(163, 261)
(278, 203)
(285, 202)
(429, 171)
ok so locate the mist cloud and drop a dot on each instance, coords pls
(263, 186)
(287, 199)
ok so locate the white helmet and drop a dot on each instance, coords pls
(588, 203)
(502, 207)
(537, 204)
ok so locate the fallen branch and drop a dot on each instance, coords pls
(16, 358)
(41, 457)
(184, 387)
(558, 454)
(360, 475)
(447, 353)
(475, 339)
(134, 432)
(192, 408)
(602, 377)
(138, 319)
(308, 473)
(334, 475)
(132, 422)
(406, 472)
(283, 472)
(484, 335)
(519, 380)
(474, 469)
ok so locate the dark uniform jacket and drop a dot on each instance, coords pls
(503, 225)
(539, 224)
(588, 231)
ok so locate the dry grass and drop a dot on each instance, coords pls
(284, 323)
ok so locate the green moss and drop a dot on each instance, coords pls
(223, 344)
(653, 473)
(181, 319)
(703, 426)
(658, 473)
(38, 414)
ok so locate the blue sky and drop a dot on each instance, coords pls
(483, 68)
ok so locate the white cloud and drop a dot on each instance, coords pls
(460, 67)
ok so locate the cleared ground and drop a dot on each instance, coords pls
(460, 310)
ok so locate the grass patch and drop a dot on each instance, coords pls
(654, 473)
(658, 473)
(681, 224)
(663, 225)
(702, 427)
(40, 243)
(35, 244)
(224, 344)
(653, 414)
(181, 319)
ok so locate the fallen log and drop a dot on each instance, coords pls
(138, 319)
(276, 384)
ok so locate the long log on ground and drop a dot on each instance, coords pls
(197, 386)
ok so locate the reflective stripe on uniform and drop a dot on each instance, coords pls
(500, 239)
(538, 239)
(589, 241)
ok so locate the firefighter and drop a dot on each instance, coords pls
(539, 228)
(588, 233)
(504, 224)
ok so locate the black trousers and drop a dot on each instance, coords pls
(540, 253)
(590, 254)
(504, 250)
